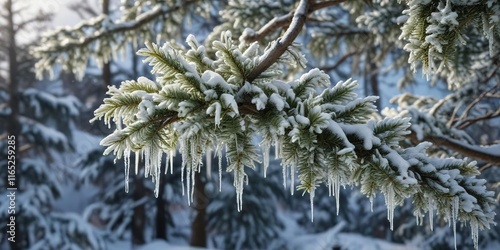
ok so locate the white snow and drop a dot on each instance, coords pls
(363, 132)
(229, 102)
(277, 100)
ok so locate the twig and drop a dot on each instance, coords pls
(464, 124)
(340, 61)
(473, 103)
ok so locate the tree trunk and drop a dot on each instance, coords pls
(139, 216)
(374, 82)
(106, 68)
(198, 227)
(161, 206)
(13, 123)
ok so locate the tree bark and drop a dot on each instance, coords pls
(198, 227)
(161, 206)
(374, 82)
(106, 68)
(139, 215)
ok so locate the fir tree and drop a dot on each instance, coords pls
(39, 122)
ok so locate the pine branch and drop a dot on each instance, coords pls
(281, 45)
(125, 26)
(339, 61)
(490, 115)
(472, 104)
(285, 20)
(460, 147)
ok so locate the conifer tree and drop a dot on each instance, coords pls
(218, 96)
(37, 131)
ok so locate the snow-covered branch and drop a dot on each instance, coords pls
(298, 20)
(489, 154)
(283, 21)
(323, 134)
(72, 47)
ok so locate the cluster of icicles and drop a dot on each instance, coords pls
(192, 165)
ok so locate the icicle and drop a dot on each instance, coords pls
(159, 156)
(454, 216)
(183, 153)
(147, 161)
(475, 233)
(239, 180)
(172, 154)
(278, 145)
(336, 187)
(188, 183)
(193, 173)
(431, 213)
(189, 174)
(126, 159)
(265, 154)
(276, 149)
(389, 201)
(284, 175)
(417, 218)
(371, 204)
(208, 159)
(311, 195)
(220, 169)
(137, 159)
(292, 178)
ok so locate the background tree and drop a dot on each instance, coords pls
(40, 118)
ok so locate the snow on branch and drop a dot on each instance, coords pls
(283, 21)
(72, 47)
(435, 32)
(428, 118)
(322, 134)
(282, 44)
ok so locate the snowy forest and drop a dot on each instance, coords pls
(264, 124)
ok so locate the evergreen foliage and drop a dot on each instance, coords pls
(323, 134)
(45, 120)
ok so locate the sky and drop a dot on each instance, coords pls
(63, 15)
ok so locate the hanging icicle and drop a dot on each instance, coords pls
(126, 159)
(172, 155)
(454, 215)
(311, 196)
(390, 203)
(474, 232)
(239, 180)
(430, 207)
(208, 160)
(137, 159)
(265, 154)
(283, 166)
